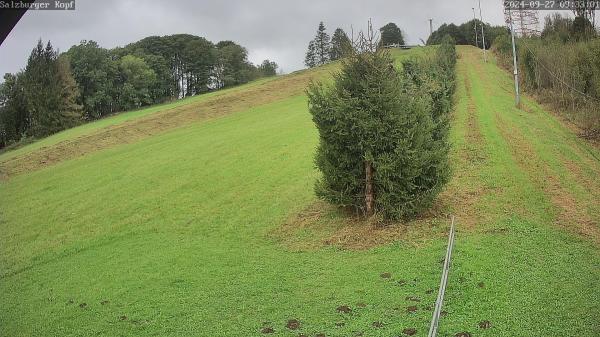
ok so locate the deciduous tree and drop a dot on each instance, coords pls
(137, 79)
(391, 34)
(232, 66)
(95, 73)
(268, 68)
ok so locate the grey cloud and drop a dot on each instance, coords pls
(278, 30)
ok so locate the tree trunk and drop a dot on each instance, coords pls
(369, 199)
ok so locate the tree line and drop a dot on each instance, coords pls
(323, 48)
(56, 90)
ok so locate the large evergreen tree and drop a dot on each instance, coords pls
(51, 92)
(319, 49)
(391, 34)
(340, 45)
(310, 60)
(381, 149)
(322, 45)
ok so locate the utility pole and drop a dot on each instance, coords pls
(430, 27)
(482, 34)
(475, 27)
(515, 69)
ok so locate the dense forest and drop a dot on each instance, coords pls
(57, 91)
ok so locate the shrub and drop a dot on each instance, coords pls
(564, 74)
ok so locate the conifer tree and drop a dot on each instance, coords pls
(322, 45)
(381, 148)
(340, 45)
(310, 60)
(50, 92)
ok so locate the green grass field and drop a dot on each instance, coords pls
(173, 234)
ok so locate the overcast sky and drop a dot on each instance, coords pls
(275, 29)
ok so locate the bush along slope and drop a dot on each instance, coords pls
(384, 133)
(564, 74)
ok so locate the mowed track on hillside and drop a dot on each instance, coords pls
(556, 161)
(170, 118)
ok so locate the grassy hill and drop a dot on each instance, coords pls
(199, 218)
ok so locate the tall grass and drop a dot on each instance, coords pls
(565, 75)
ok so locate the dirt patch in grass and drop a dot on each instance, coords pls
(344, 309)
(463, 198)
(134, 130)
(293, 324)
(485, 325)
(267, 330)
(409, 331)
(320, 225)
(572, 214)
